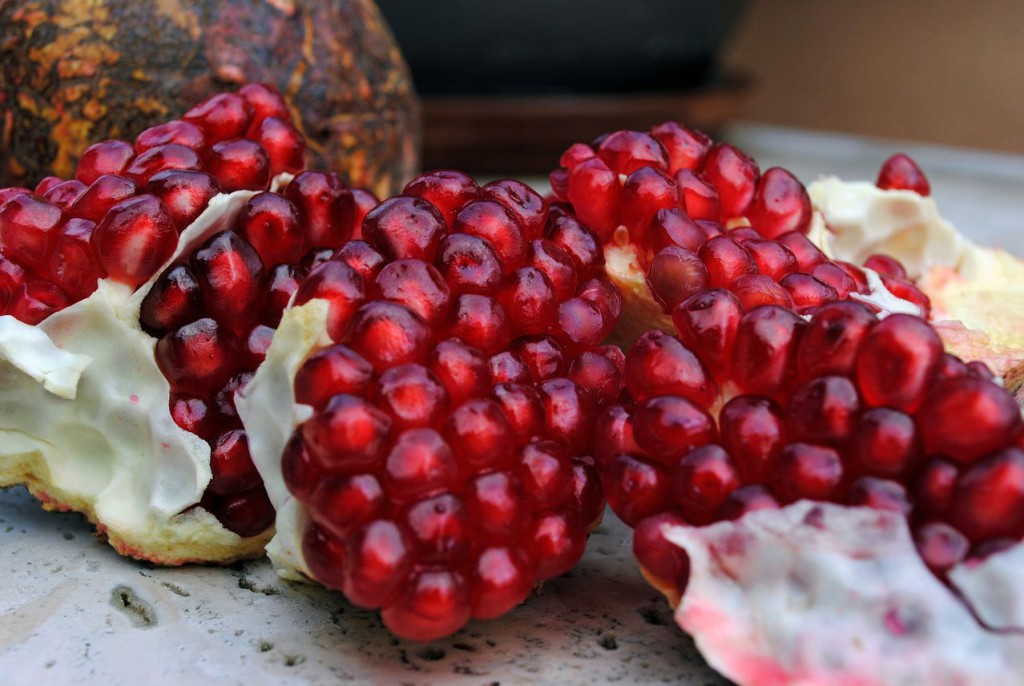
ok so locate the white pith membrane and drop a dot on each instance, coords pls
(85, 420)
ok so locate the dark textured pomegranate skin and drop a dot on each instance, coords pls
(127, 65)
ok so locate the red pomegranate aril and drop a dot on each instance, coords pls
(199, 357)
(879, 494)
(773, 259)
(764, 355)
(64, 195)
(599, 372)
(754, 290)
(438, 528)
(229, 273)
(855, 273)
(348, 434)
(363, 201)
(331, 371)
(326, 206)
(605, 297)
(807, 292)
(780, 204)
(594, 191)
(501, 580)
(746, 499)
(580, 243)
(886, 265)
(195, 415)
(257, 343)
(613, 434)
(480, 435)
(341, 286)
(224, 399)
(834, 277)
(264, 100)
(522, 406)
(283, 144)
(807, 253)
(950, 367)
(175, 131)
(279, 286)
(807, 471)
(506, 367)
(545, 473)
(446, 189)
(742, 234)
(522, 201)
(556, 264)
(419, 463)
(699, 198)
(185, 193)
(665, 561)
(577, 152)
(35, 300)
(362, 258)
(897, 360)
(28, 226)
(494, 501)
(106, 157)
(582, 325)
(988, 501)
(702, 481)
(940, 546)
(833, 338)
(981, 370)
(558, 540)
(734, 175)
(377, 564)
(900, 172)
(412, 395)
(933, 487)
(46, 184)
(965, 418)
(884, 442)
(491, 221)
(249, 513)
(388, 334)
(905, 290)
(668, 426)
(628, 151)
(569, 414)
(170, 156)
(417, 286)
(469, 264)
(753, 430)
(223, 116)
(674, 275)
(405, 227)
(480, 322)
(273, 227)
(105, 192)
(559, 181)
(338, 504)
(644, 192)
(462, 370)
(239, 164)
(707, 323)
(324, 553)
(233, 470)
(73, 264)
(135, 237)
(541, 355)
(672, 228)
(726, 260)
(433, 604)
(300, 470)
(6, 194)
(12, 276)
(659, 364)
(529, 301)
(686, 147)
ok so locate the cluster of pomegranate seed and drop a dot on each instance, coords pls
(748, 411)
(121, 215)
(445, 469)
(702, 215)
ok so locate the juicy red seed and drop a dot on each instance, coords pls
(833, 338)
(699, 198)
(834, 277)
(686, 147)
(348, 434)
(599, 372)
(658, 364)
(880, 494)
(195, 415)
(247, 514)
(494, 502)
(556, 264)
(855, 273)
(672, 228)
(742, 234)
(884, 442)
(224, 399)
(726, 260)
(339, 504)
(897, 361)
(541, 355)
(900, 172)
(522, 201)
(469, 264)
(627, 151)
(174, 300)
(135, 237)
(558, 540)
(438, 528)
(434, 603)
(445, 189)
(185, 193)
(600, 293)
(529, 301)
(221, 117)
(388, 334)
(326, 206)
(378, 564)
(273, 227)
(480, 322)
(807, 253)
(106, 157)
(635, 489)
(265, 101)
(301, 473)
(753, 430)
(807, 471)
(940, 546)
(419, 463)
(967, 417)
(665, 561)
(331, 371)
(559, 180)
(405, 227)
(523, 409)
(569, 414)
(667, 427)
(6, 194)
(198, 357)
(676, 274)
(905, 290)
(546, 474)
(950, 367)
(989, 498)
(886, 265)
(47, 184)
(933, 487)
(283, 143)
(28, 226)
(981, 370)
(754, 290)
(361, 257)
(702, 481)
(594, 191)
(105, 192)
(64, 195)
(317, 256)
(807, 292)
(479, 434)
(506, 367)
(257, 343)
(341, 286)
(231, 463)
(501, 579)
(746, 499)
(707, 323)
(462, 370)
(229, 273)
(764, 355)
(162, 158)
(35, 300)
(12, 277)
(490, 220)
(239, 164)
(363, 201)
(280, 285)
(734, 175)
(412, 395)
(781, 204)
(644, 193)
(613, 434)
(417, 286)
(581, 243)
(175, 131)
(582, 324)
(773, 259)
(577, 152)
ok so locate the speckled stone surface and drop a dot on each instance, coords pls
(72, 611)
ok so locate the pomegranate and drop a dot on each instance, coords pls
(430, 404)
(135, 304)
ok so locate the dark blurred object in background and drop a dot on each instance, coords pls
(508, 86)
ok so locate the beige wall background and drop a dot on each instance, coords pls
(943, 71)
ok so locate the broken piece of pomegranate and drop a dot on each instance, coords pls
(430, 400)
(134, 302)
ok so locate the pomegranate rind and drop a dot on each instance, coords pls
(85, 422)
(824, 594)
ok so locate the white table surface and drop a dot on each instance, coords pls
(72, 611)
